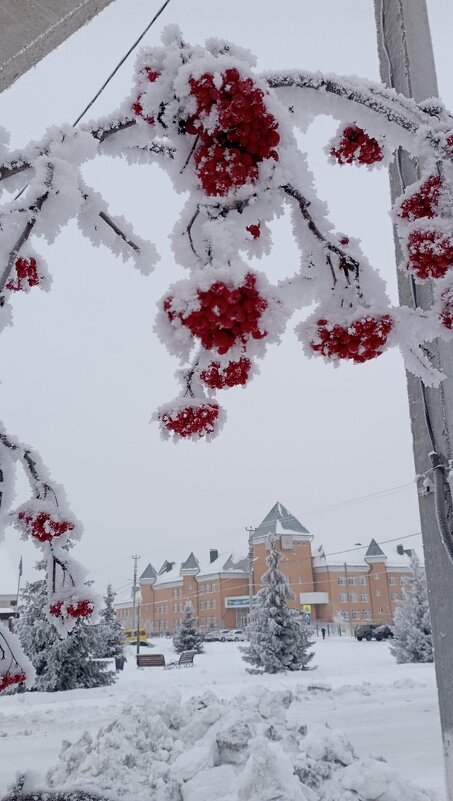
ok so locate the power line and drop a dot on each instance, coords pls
(120, 63)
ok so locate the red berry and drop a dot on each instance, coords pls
(430, 254)
(26, 274)
(9, 679)
(360, 341)
(245, 134)
(42, 526)
(356, 146)
(234, 374)
(152, 74)
(225, 316)
(137, 108)
(424, 202)
(344, 241)
(254, 230)
(191, 420)
(82, 608)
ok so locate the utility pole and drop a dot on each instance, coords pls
(407, 64)
(251, 532)
(134, 595)
(348, 597)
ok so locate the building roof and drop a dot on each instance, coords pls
(279, 521)
(191, 563)
(374, 549)
(148, 573)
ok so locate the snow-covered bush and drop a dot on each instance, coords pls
(188, 637)
(109, 636)
(278, 639)
(60, 663)
(413, 641)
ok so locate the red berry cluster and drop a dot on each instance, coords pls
(225, 316)
(26, 273)
(42, 527)
(232, 375)
(254, 230)
(137, 107)
(430, 254)
(9, 679)
(244, 135)
(364, 339)
(82, 608)
(356, 146)
(199, 420)
(424, 202)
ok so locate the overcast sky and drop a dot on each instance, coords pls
(82, 370)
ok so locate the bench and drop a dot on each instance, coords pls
(150, 660)
(185, 660)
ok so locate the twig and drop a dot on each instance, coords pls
(108, 220)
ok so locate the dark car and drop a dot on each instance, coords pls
(383, 633)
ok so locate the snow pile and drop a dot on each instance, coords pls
(253, 747)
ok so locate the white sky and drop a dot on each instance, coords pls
(82, 370)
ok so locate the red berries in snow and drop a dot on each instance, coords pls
(254, 230)
(430, 253)
(424, 202)
(232, 375)
(137, 107)
(9, 679)
(355, 146)
(42, 526)
(191, 420)
(225, 316)
(360, 341)
(242, 135)
(26, 275)
(83, 608)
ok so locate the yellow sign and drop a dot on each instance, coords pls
(306, 608)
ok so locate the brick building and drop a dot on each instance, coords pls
(219, 587)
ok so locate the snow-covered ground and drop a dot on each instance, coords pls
(384, 709)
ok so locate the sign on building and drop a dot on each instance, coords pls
(234, 602)
(30, 31)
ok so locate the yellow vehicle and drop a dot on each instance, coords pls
(130, 636)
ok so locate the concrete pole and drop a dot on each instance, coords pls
(251, 532)
(407, 64)
(134, 596)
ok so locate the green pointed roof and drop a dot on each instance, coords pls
(277, 519)
(166, 567)
(148, 573)
(374, 549)
(191, 562)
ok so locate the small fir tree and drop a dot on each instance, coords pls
(413, 640)
(278, 639)
(60, 664)
(188, 638)
(109, 634)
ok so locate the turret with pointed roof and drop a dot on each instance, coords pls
(374, 553)
(190, 567)
(279, 521)
(149, 575)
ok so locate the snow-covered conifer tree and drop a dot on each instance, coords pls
(278, 640)
(413, 640)
(188, 638)
(109, 632)
(60, 663)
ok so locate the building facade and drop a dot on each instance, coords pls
(219, 589)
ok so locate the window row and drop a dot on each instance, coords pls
(207, 587)
(208, 604)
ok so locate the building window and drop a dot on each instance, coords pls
(341, 580)
(355, 615)
(351, 579)
(378, 593)
(394, 596)
(392, 579)
(363, 581)
(364, 597)
(344, 614)
(382, 610)
(365, 614)
(213, 588)
(376, 576)
(353, 597)
(213, 603)
(343, 598)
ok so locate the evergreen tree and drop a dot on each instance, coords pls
(413, 640)
(109, 634)
(188, 638)
(278, 640)
(60, 664)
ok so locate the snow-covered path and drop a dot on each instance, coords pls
(383, 708)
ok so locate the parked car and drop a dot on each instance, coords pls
(211, 636)
(223, 633)
(383, 633)
(372, 631)
(235, 635)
